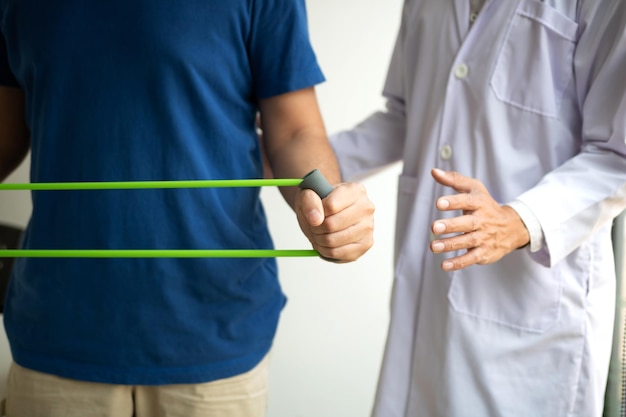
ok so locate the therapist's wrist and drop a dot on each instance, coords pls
(517, 230)
(531, 223)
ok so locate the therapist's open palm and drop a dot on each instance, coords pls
(486, 230)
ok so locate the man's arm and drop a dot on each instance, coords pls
(295, 139)
(341, 226)
(14, 135)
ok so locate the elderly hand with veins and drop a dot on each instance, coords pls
(487, 230)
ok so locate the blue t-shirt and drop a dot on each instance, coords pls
(127, 90)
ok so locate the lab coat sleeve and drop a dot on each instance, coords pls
(372, 145)
(377, 141)
(589, 190)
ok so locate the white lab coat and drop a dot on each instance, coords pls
(532, 102)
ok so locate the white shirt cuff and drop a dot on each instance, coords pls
(532, 224)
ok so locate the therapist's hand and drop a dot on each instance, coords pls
(341, 226)
(486, 230)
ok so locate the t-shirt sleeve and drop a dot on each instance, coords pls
(7, 78)
(281, 55)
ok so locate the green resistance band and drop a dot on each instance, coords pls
(139, 185)
(314, 180)
(155, 253)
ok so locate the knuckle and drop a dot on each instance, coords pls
(331, 241)
(330, 224)
(360, 188)
(457, 264)
(334, 253)
(482, 259)
(475, 223)
(474, 240)
(471, 201)
(331, 205)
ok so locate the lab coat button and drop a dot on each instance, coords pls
(461, 71)
(446, 152)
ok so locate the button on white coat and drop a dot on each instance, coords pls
(461, 71)
(446, 152)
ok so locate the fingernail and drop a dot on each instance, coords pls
(443, 204)
(447, 265)
(438, 246)
(439, 228)
(440, 171)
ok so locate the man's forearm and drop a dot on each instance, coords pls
(308, 150)
(295, 138)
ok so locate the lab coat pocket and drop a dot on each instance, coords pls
(515, 292)
(535, 63)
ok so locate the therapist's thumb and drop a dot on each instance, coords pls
(311, 207)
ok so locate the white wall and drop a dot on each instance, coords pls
(330, 340)
(331, 337)
(15, 206)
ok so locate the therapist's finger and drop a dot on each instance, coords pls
(464, 202)
(471, 257)
(456, 181)
(458, 242)
(461, 224)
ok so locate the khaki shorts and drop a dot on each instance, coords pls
(36, 394)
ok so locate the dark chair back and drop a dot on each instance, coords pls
(9, 239)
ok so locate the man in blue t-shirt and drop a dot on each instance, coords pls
(136, 90)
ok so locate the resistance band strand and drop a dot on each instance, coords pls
(155, 253)
(314, 180)
(137, 185)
